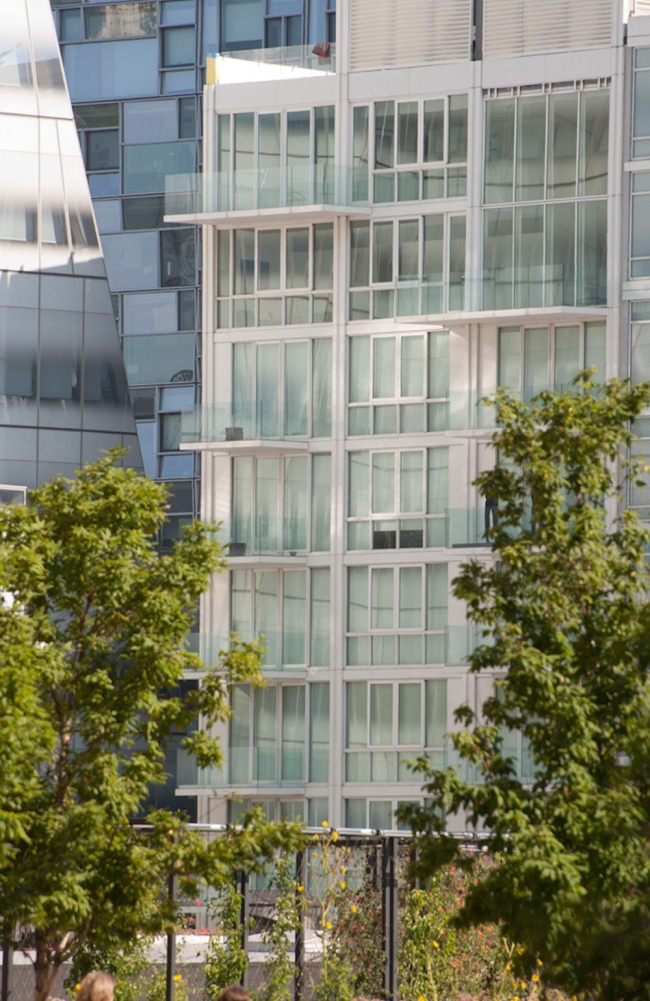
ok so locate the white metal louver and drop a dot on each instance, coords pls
(408, 32)
(641, 7)
(518, 27)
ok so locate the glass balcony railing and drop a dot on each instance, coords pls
(297, 56)
(233, 422)
(264, 188)
(269, 764)
(262, 536)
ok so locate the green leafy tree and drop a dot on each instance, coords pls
(93, 651)
(226, 960)
(567, 623)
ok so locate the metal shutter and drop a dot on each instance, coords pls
(408, 32)
(517, 27)
(641, 7)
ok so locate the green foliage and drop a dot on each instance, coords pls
(226, 961)
(155, 987)
(127, 964)
(437, 960)
(329, 894)
(564, 606)
(93, 649)
(279, 966)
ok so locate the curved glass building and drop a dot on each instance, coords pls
(63, 390)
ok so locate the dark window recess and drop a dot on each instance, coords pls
(411, 538)
(97, 116)
(143, 213)
(180, 497)
(170, 432)
(103, 150)
(173, 529)
(186, 118)
(281, 31)
(115, 303)
(383, 539)
(177, 258)
(186, 311)
(144, 404)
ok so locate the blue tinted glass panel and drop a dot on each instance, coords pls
(104, 185)
(145, 167)
(178, 46)
(178, 81)
(101, 71)
(150, 121)
(147, 437)
(161, 358)
(178, 12)
(241, 24)
(131, 261)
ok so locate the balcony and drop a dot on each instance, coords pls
(244, 428)
(271, 194)
(274, 60)
(269, 764)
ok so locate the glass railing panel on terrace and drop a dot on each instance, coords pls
(234, 422)
(264, 188)
(299, 56)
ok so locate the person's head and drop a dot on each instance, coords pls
(96, 986)
(233, 992)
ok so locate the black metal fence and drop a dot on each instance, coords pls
(382, 855)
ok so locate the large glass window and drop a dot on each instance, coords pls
(536, 358)
(640, 225)
(120, 20)
(289, 609)
(546, 149)
(291, 384)
(280, 505)
(406, 268)
(390, 723)
(104, 71)
(397, 615)
(268, 160)
(269, 278)
(279, 734)
(398, 500)
(147, 166)
(241, 25)
(400, 384)
(401, 140)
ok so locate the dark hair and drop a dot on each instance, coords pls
(233, 992)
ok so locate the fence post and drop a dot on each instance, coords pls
(299, 942)
(242, 887)
(171, 944)
(389, 915)
(7, 966)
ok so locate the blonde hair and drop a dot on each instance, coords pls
(96, 986)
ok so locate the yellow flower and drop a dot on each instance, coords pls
(335, 836)
(325, 823)
(177, 977)
(328, 925)
(343, 884)
(523, 985)
(520, 950)
(353, 908)
(535, 978)
(515, 999)
(508, 967)
(539, 962)
(344, 868)
(77, 987)
(301, 889)
(315, 838)
(421, 998)
(435, 944)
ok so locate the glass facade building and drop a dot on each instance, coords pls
(455, 200)
(63, 390)
(135, 70)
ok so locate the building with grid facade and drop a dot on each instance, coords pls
(63, 391)
(455, 199)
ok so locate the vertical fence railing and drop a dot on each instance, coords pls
(7, 965)
(382, 867)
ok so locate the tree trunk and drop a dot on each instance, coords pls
(46, 968)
